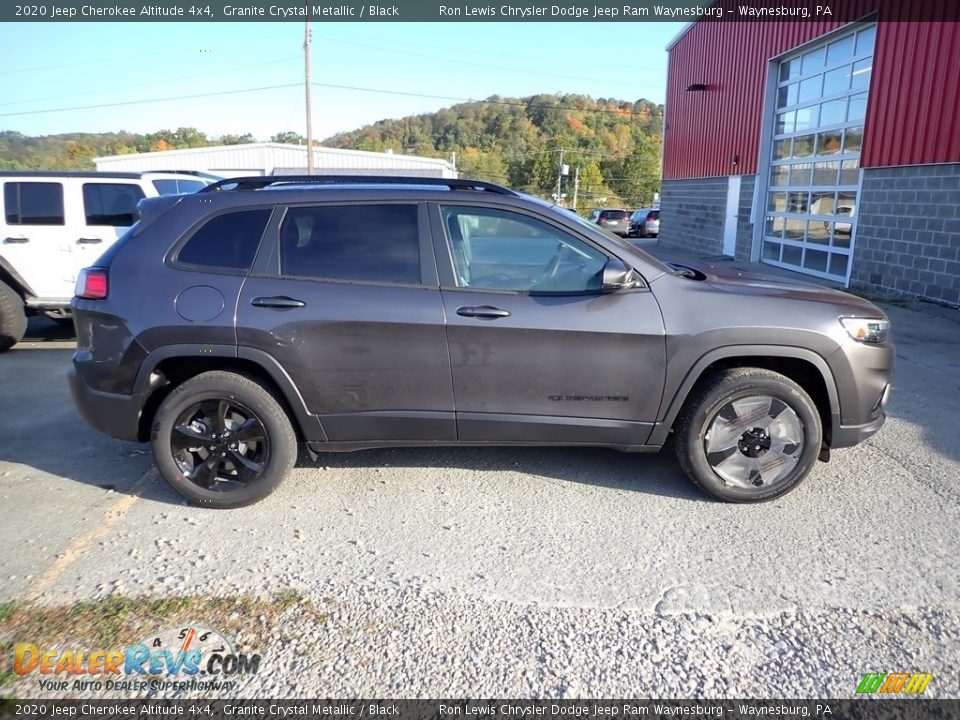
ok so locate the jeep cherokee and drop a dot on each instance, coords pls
(349, 313)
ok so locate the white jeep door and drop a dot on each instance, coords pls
(35, 236)
(108, 208)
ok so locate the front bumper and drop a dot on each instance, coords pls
(115, 414)
(850, 435)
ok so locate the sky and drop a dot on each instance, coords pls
(53, 76)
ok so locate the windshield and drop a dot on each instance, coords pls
(594, 229)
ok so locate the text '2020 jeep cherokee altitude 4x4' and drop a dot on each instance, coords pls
(354, 313)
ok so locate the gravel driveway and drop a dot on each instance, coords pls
(525, 572)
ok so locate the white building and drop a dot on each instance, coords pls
(269, 158)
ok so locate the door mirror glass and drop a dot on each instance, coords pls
(617, 275)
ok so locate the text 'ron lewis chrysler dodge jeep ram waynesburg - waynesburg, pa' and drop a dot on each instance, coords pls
(357, 312)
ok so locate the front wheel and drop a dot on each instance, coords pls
(222, 440)
(748, 435)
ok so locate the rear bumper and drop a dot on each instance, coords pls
(115, 414)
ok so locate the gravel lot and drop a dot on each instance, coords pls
(524, 572)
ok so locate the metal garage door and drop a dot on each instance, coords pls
(814, 181)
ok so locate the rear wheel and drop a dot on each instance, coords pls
(13, 319)
(223, 440)
(748, 435)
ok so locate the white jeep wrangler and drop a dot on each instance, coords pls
(54, 224)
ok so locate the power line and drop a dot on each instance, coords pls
(163, 81)
(149, 100)
(356, 88)
(116, 59)
(487, 51)
(483, 65)
(508, 103)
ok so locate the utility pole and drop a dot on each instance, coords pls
(306, 74)
(576, 185)
(559, 177)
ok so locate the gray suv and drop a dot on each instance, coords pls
(345, 313)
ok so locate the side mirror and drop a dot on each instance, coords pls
(617, 275)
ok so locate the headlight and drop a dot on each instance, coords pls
(868, 330)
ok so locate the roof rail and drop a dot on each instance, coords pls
(259, 183)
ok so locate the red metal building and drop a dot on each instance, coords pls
(828, 147)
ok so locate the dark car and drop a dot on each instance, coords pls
(346, 313)
(616, 221)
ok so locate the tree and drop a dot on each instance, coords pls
(592, 185)
(478, 165)
(237, 139)
(188, 137)
(639, 174)
(289, 137)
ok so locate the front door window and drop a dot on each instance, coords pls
(501, 250)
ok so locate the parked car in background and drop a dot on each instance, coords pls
(615, 220)
(54, 224)
(351, 313)
(644, 223)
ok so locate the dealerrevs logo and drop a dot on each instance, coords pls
(190, 652)
(894, 683)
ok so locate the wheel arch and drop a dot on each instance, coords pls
(805, 367)
(12, 278)
(166, 368)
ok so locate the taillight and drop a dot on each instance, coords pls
(92, 284)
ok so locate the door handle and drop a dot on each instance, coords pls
(89, 241)
(281, 302)
(483, 311)
(15, 240)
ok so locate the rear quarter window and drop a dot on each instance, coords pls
(228, 241)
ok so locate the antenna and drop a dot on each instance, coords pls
(306, 75)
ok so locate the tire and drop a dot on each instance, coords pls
(727, 457)
(13, 318)
(230, 415)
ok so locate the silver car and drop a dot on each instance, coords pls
(644, 223)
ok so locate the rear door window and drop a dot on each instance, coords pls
(111, 204)
(365, 243)
(227, 241)
(33, 203)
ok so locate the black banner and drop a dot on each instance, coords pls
(867, 709)
(477, 11)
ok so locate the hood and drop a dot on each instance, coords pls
(727, 278)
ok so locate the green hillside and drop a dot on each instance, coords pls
(517, 141)
(75, 151)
